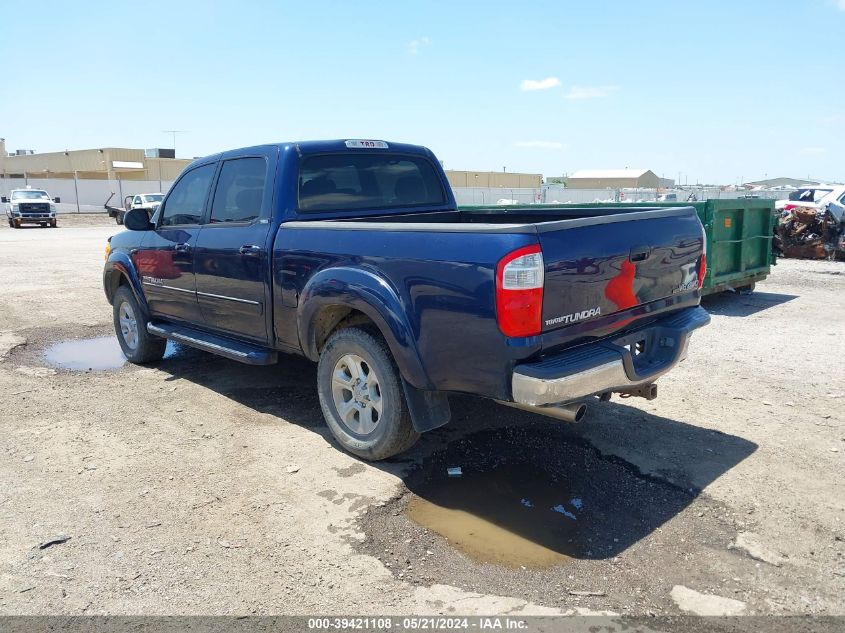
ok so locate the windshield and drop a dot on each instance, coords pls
(153, 197)
(809, 195)
(30, 194)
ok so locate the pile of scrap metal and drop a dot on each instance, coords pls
(810, 233)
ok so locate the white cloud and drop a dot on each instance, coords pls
(590, 92)
(540, 144)
(539, 84)
(841, 5)
(833, 118)
(414, 46)
(813, 150)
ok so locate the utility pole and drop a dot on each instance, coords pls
(174, 133)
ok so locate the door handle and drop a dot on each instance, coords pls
(182, 248)
(250, 250)
(640, 253)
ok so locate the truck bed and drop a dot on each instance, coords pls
(441, 267)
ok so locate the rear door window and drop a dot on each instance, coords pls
(240, 191)
(346, 182)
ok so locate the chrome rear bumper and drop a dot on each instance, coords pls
(636, 359)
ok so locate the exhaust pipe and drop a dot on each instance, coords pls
(567, 412)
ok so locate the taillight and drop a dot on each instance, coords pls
(702, 269)
(519, 292)
(789, 207)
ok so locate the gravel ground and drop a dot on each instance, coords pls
(200, 486)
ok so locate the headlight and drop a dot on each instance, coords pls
(52, 208)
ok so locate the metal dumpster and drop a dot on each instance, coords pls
(739, 236)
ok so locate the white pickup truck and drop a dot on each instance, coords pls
(148, 201)
(30, 206)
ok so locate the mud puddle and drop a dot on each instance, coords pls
(516, 515)
(93, 354)
(534, 508)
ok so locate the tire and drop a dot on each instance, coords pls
(138, 345)
(118, 218)
(54, 224)
(361, 355)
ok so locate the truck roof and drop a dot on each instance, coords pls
(320, 147)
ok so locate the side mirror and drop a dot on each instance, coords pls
(57, 200)
(137, 220)
(4, 199)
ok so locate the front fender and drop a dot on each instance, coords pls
(120, 264)
(363, 290)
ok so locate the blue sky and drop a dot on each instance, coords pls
(718, 91)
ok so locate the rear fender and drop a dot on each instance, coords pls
(367, 292)
(120, 265)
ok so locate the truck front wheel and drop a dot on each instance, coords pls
(361, 395)
(138, 345)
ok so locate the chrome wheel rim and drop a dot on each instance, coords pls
(128, 325)
(357, 394)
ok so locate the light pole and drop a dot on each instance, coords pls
(75, 177)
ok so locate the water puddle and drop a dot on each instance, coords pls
(516, 515)
(532, 497)
(93, 354)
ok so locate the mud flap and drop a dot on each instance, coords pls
(429, 409)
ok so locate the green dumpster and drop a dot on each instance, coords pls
(739, 236)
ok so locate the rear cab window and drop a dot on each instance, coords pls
(355, 181)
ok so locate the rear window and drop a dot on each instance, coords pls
(345, 182)
(809, 195)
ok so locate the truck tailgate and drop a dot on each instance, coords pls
(595, 267)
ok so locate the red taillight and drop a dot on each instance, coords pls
(789, 207)
(702, 269)
(519, 292)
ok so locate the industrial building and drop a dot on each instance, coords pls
(615, 179)
(771, 183)
(107, 163)
(494, 179)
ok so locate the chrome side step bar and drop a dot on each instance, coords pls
(222, 346)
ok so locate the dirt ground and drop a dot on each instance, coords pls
(200, 486)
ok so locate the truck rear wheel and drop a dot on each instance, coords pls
(138, 345)
(361, 395)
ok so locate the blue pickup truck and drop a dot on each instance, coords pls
(354, 254)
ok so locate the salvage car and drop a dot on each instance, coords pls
(30, 206)
(830, 197)
(354, 254)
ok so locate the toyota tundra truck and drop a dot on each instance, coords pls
(354, 254)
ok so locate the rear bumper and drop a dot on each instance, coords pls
(609, 365)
